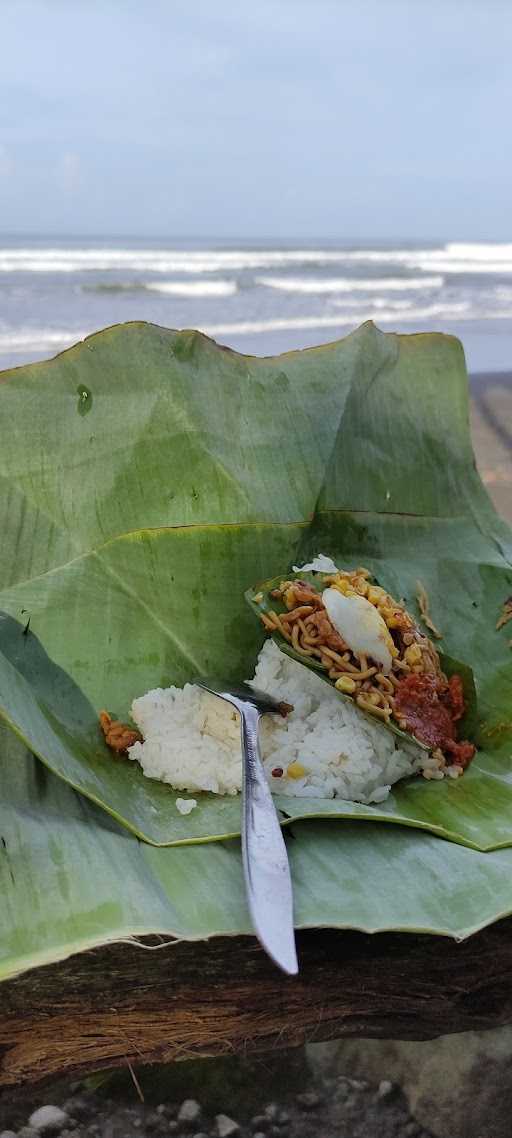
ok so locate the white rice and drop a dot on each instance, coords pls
(192, 739)
(185, 805)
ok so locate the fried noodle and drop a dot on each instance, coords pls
(306, 626)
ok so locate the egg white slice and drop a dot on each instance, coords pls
(361, 626)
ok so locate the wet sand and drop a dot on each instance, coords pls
(491, 425)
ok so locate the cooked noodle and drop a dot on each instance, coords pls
(306, 626)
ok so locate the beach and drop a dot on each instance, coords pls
(255, 306)
(262, 301)
(266, 297)
(491, 428)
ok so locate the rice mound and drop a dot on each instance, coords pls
(192, 739)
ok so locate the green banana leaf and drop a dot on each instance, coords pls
(72, 879)
(150, 477)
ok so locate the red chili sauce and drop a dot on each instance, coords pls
(431, 707)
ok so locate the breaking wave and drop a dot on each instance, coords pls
(349, 284)
(193, 288)
(453, 257)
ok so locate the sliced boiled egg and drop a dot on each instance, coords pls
(361, 626)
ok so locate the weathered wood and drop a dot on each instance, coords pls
(187, 1000)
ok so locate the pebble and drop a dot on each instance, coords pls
(78, 1107)
(309, 1100)
(190, 1111)
(377, 1105)
(358, 1084)
(354, 1084)
(171, 1109)
(153, 1121)
(226, 1126)
(167, 1110)
(48, 1118)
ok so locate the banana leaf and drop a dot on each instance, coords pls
(149, 477)
(71, 878)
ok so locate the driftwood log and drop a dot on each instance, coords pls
(121, 1004)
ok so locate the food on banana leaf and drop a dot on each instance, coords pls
(118, 736)
(323, 746)
(505, 614)
(185, 805)
(373, 651)
(424, 607)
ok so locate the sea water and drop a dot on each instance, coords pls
(258, 297)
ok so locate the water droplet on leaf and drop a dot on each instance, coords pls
(84, 399)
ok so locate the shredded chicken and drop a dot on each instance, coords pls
(118, 736)
(506, 614)
(498, 729)
(424, 607)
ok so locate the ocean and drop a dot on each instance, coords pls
(258, 297)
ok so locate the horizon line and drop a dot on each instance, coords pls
(247, 238)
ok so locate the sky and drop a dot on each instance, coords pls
(257, 118)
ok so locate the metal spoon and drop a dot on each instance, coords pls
(265, 861)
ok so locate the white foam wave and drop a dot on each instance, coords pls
(39, 339)
(453, 257)
(480, 250)
(445, 312)
(385, 302)
(346, 284)
(453, 253)
(159, 260)
(193, 288)
(474, 268)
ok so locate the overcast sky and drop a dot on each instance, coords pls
(300, 118)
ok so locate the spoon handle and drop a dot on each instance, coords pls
(265, 860)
